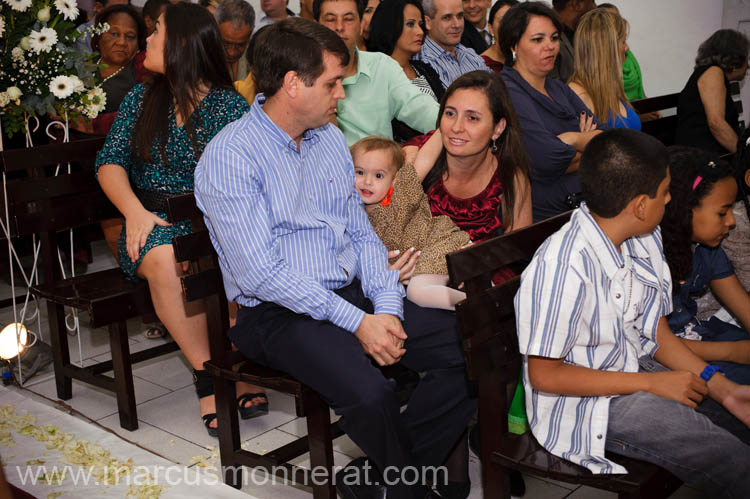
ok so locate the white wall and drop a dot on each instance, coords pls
(665, 35)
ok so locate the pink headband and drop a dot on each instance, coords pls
(697, 181)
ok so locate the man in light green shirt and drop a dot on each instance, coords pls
(377, 89)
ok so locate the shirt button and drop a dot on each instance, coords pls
(599, 436)
(617, 296)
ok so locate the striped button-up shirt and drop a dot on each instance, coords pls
(288, 225)
(571, 306)
(448, 66)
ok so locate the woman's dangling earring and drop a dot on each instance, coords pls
(494, 146)
(514, 55)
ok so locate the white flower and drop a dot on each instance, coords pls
(19, 5)
(43, 40)
(97, 100)
(67, 8)
(61, 86)
(2, 25)
(4, 100)
(76, 83)
(43, 15)
(17, 54)
(14, 93)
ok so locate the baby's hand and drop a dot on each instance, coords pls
(405, 264)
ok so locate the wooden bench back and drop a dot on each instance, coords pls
(665, 127)
(43, 197)
(486, 319)
(204, 280)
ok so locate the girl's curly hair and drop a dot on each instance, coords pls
(686, 165)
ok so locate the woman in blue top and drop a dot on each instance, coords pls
(555, 124)
(151, 153)
(600, 47)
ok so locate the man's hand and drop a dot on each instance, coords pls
(738, 403)
(382, 337)
(682, 386)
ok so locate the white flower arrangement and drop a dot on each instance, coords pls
(42, 72)
(43, 40)
(67, 8)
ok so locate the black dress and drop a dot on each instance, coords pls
(692, 124)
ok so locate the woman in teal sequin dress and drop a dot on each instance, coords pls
(151, 152)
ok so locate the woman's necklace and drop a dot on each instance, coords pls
(113, 74)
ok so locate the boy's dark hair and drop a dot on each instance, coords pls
(686, 164)
(317, 3)
(294, 44)
(516, 21)
(618, 165)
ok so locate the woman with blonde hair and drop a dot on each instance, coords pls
(600, 47)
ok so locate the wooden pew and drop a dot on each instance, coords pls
(45, 204)
(663, 128)
(486, 321)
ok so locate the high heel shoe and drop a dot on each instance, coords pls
(204, 387)
(253, 411)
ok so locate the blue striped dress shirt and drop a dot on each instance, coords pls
(448, 66)
(572, 305)
(288, 225)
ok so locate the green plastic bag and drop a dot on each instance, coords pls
(517, 421)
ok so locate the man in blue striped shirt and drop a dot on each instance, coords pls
(442, 48)
(298, 253)
(593, 301)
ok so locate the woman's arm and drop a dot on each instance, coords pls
(728, 351)
(139, 222)
(734, 297)
(713, 95)
(522, 204)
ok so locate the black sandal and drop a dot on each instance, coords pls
(252, 411)
(204, 387)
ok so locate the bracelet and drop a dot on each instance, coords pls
(709, 371)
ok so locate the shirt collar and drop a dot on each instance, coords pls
(364, 67)
(275, 132)
(608, 255)
(439, 51)
(601, 245)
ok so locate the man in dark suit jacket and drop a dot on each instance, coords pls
(477, 31)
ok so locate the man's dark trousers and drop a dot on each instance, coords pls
(331, 361)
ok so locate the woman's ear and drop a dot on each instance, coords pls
(499, 128)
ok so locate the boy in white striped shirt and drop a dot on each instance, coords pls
(592, 301)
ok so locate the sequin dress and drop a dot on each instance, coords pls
(218, 108)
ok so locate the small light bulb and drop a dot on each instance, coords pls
(11, 344)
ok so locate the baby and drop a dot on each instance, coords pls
(400, 214)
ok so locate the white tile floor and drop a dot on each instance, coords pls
(168, 414)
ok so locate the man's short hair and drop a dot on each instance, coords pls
(317, 3)
(618, 165)
(429, 8)
(294, 44)
(369, 144)
(238, 12)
